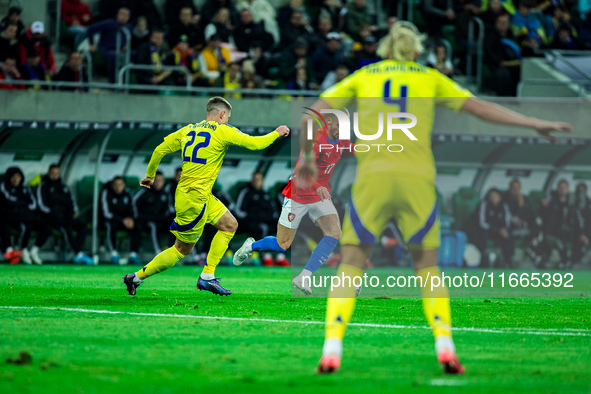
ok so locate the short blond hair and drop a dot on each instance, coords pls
(217, 104)
(402, 42)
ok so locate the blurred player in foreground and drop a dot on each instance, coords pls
(314, 202)
(203, 147)
(399, 185)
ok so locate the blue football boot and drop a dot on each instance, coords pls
(213, 286)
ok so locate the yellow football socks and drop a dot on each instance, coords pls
(218, 247)
(341, 303)
(436, 304)
(163, 261)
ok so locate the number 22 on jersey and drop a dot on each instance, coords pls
(192, 156)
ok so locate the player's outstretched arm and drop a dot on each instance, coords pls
(161, 150)
(257, 143)
(494, 113)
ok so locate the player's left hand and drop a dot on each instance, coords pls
(323, 193)
(306, 175)
(546, 128)
(147, 182)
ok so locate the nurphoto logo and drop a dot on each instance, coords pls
(344, 125)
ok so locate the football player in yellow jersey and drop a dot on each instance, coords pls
(202, 146)
(399, 186)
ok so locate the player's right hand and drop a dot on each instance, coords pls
(147, 182)
(323, 193)
(283, 131)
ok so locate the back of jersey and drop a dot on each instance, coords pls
(202, 146)
(396, 86)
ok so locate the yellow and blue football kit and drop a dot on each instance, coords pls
(202, 146)
(388, 184)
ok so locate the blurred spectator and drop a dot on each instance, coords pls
(183, 55)
(327, 59)
(10, 72)
(211, 8)
(152, 53)
(35, 38)
(564, 40)
(13, 18)
(221, 25)
(72, 71)
(19, 211)
(294, 58)
(173, 8)
(318, 39)
(527, 29)
(381, 33)
(335, 77)
(524, 221)
(118, 215)
(285, 12)
(255, 209)
(557, 222)
(438, 13)
(109, 29)
(301, 81)
(148, 9)
(58, 208)
(9, 43)
(77, 16)
(33, 70)
(214, 58)
(294, 29)
(438, 60)
(108, 9)
(261, 59)
(581, 225)
(503, 56)
(491, 220)
(248, 32)
(356, 17)
(230, 80)
(249, 78)
(152, 210)
(187, 25)
(489, 17)
(140, 33)
(466, 11)
(367, 55)
(262, 12)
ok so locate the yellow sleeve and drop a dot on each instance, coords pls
(233, 136)
(172, 143)
(448, 93)
(340, 94)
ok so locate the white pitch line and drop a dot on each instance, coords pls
(508, 330)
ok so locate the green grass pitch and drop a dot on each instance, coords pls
(177, 341)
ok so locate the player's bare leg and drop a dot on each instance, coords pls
(331, 228)
(280, 243)
(437, 310)
(340, 305)
(227, 226)
(163, 261)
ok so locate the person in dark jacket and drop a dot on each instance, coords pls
(327, 58)
(9, 43)
(118, 215)
(13, 18)
(33, 70)
(152, 54)
(557, 222)
(152, 210)
(187, 24)
(109, 29)
(72, 71)
(502, 56)
(492, 220)
(58, 209)
(18, 208)
(581, 217)
(256, 209)
(248, 31)
(523, 221)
